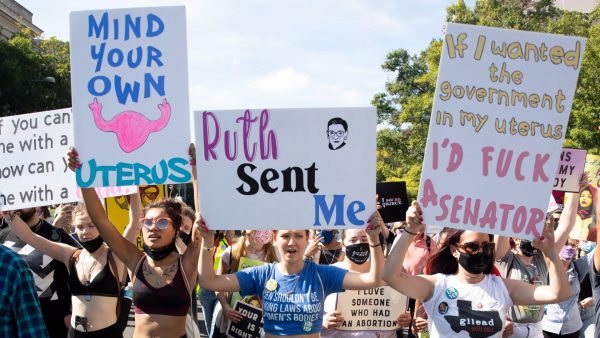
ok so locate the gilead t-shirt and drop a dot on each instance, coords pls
(292, 304)
(458, 309)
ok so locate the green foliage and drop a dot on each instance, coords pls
(405, 106)
(24, 61)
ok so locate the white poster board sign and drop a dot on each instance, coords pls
(286, 168)
(33, 170)
(499, 118)
(130, 96)
(570, 168)
(368, 310)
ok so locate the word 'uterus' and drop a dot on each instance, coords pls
(132, 128)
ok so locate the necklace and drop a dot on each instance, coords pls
(332, 255)
(87, 274)
(288, 291)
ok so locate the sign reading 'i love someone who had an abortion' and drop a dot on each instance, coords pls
(130, 96)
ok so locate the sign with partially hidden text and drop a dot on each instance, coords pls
(250, 326)
(33, 170)
(499, 118)
(374, 309)
(569, 170)
(393, 199)
(286, 168)
(130, 96)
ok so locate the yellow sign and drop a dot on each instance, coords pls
(117, 208)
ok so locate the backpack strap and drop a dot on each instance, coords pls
(113, 266)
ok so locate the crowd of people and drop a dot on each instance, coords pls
(79, 276)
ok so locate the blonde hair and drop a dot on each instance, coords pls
(240, 249)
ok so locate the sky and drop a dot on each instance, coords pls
(281, 53)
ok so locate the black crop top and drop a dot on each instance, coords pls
(103, 284)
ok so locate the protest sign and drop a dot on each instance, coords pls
(569, 170)
(374, 309)
(244, 263)
(585, 222)
(393, 198)
(286, 168)
(130, 96)
(250, 326)
(499, 118)
(592, 167)
(33, 170)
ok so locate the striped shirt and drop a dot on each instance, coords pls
(21, 316)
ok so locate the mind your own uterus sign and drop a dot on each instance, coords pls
(499, 118)
(286, 168)
(130, 96)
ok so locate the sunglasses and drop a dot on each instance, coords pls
(474, 247)
(162, 223)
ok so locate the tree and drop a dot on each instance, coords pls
(405, 106)
(24, 62)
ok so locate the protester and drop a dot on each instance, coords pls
(94, 276)
(21, 315)
(564, 319)
(255, 245)
(356, 259)
(529, 264)
(324, 248)
(51, 284)
(462, 295)
(293, 290)
(595, 268)
(162, 277)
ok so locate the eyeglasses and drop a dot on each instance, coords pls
(162, 223)
(473, 247)
(335, 133)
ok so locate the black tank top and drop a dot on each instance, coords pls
(103, 284)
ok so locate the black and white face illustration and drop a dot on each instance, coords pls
(337, 133)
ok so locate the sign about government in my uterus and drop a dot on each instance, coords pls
(286, 168)
(130, 96)
(499, 119)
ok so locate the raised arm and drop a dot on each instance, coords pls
(126, 251)
(371, 279)
(190, 256)
(418, 287)
(569, 215)
(192, 152)
(56, 250)
(556, 291)
(502, 245)
(206, 273)
(135, 213)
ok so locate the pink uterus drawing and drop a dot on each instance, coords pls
(132, 128)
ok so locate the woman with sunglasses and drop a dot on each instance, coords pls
(462, 298)
(94, 274)
(292, 291)
(162, 278)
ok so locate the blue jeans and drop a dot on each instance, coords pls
(208, 300)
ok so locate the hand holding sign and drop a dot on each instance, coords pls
(332, 320)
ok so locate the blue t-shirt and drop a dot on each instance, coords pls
(295, 306)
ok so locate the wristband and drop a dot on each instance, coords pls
(375, 245)
(308, 258)
(207, 249)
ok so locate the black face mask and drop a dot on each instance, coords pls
(186, 238)
(92, 245)
(527, 249)
(358, 253)
(476, 263)
(159, 254)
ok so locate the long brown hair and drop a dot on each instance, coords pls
(240, 249)
(443, 261)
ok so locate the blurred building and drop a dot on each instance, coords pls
(12, 16)
(584, 6)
